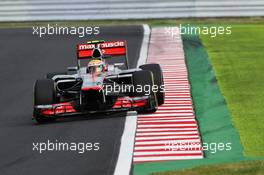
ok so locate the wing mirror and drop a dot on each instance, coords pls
(119, 64)
(71, 69)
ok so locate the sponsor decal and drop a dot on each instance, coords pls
(102, 45)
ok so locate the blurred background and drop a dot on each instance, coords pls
(32, 10)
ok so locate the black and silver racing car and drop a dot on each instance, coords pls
(101, 82)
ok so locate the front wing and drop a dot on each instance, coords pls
(69, 109)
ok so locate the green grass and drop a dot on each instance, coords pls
(238, 61)
(152, 22)
(242, 168)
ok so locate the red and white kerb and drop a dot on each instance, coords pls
(171, 133)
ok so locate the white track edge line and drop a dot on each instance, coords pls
(125, 155)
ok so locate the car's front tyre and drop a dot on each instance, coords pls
(144, 79)
(158, 80)
(44, 94)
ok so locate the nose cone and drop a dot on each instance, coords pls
(91, 82)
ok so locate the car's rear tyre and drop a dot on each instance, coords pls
(44, 94)
(52, 74)
(158, 80)
(144, 79)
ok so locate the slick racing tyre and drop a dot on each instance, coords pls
(145, 79)
(44, 94)
(52, 74)
(158, 80)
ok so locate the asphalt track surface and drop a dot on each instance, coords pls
(24, 58)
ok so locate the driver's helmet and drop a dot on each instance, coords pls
(96, 66)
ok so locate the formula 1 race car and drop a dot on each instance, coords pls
(101, 82)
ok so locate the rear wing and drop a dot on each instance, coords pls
(105, 49)
(115, 48)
